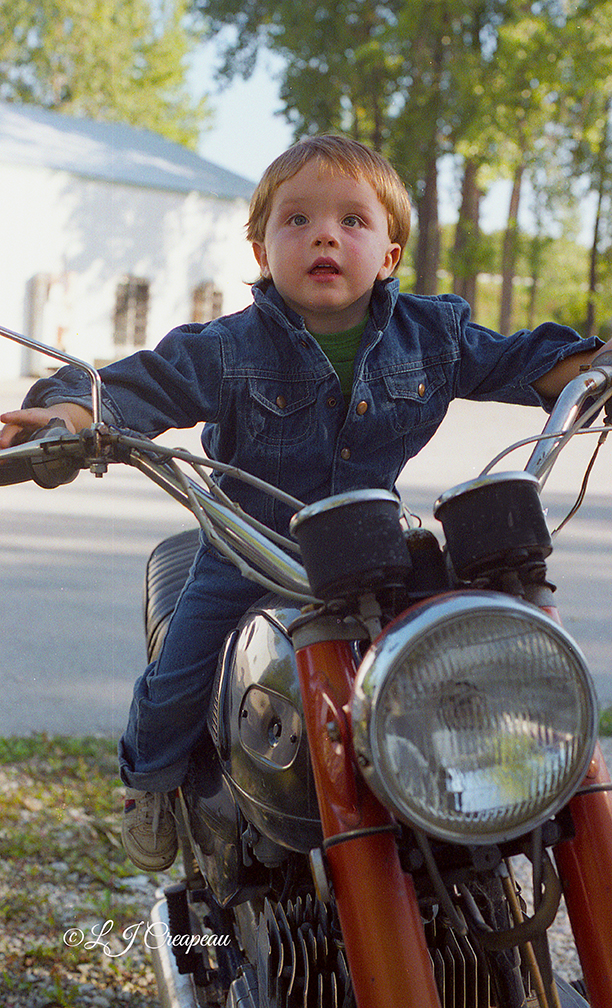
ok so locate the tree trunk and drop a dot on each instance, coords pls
(467, 234)
(593, 263)
(537, 246)
(509, 253)
(427, 256)
(603, 170)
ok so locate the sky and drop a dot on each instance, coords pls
(247, 133)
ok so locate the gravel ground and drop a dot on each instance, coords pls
(37, 972)
(73, 934)
(73, 909)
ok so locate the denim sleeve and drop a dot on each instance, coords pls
(176, 385)
(503, 368)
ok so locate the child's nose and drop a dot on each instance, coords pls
(326, 237)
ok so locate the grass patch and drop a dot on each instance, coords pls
(63, 869)
(605, 723)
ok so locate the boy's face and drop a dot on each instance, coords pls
(326, 242)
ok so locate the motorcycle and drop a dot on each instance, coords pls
(399, 719)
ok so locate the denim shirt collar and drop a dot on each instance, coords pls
(267, 299)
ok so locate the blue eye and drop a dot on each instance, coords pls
(298, 219)
(351, 220)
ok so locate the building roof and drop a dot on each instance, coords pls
(113, 152)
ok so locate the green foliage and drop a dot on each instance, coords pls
(63, 773)
(605, 722)
(560, 290)
(481, 253)
(114, 60)
(73, 756)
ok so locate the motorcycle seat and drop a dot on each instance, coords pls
(166, 573)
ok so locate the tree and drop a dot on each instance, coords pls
(516, 78)
(466, 254)
(601, 175)
(113, 60)
(332, 77)
(416, 137)
(505, 102)
(524, 95)
(591, 133)
(553, 60)
(475, 135)
(411, 78)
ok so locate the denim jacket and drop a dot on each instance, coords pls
(272, 400)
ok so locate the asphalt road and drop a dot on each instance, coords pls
(72, 563)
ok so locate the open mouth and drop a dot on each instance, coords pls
(324, 267)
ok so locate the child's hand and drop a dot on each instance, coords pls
(74, 416)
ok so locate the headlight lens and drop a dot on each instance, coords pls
(474, 717)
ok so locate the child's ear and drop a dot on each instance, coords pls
(392, 258)
(259, 251)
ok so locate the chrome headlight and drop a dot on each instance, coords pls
(474, 717)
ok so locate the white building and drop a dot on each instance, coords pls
(110, 236)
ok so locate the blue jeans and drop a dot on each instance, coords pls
(168, 712)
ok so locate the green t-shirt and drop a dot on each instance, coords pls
(341, 348)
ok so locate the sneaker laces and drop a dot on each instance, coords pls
(154, 803)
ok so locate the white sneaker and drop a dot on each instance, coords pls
(148, 829)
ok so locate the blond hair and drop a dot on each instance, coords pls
(342, 155)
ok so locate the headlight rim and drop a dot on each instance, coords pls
(373, 675)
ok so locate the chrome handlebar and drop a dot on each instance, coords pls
(238, 536)
(96, 463)
(568, 416)
(238, 531)
(94, 377)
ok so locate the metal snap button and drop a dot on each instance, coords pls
(281, 402)
(332, 401)
(345, 454)
(362, 407)
(421, 390)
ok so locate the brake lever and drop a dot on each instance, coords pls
(54, 425)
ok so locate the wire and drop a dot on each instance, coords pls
(145, 444)
(539, 437)
(211, 534)
(583, 488)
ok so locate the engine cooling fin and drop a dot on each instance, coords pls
(301, 962)
(460, 967)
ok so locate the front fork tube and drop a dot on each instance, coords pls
(585, 869)
(379, 914)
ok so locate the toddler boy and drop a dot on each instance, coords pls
(330, 381)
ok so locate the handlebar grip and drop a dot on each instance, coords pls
(604, 359)
(49, 472)
(14, 471)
